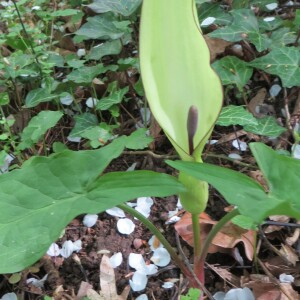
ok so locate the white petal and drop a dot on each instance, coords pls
(161, 257)
(235, 156)
(74, 139)
(116, 212)
(142, 297)
(125, 226)
(91, 102)
(66, 99)
(275, 90)
(139, 281)
(67, 249)
(116, 259)
(284, 278)
(296, 151)
(36, 282)
(157, 243)
(244, 294)
(151, 269)
(239, 145)
(8, 159)
(9, 296)
(145, 113)
(81, 52)
(144, 202)
(173, 220)
(77, 245)
(208, 21)
(269, 19)
(168, 285)
(212, 142)
(219, 296)
(136, 261)
(90, 220)
(179, 205)
(132, 167)
(271, 6)
(53, 250)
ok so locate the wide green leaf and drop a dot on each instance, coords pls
(176, 73)
(37, 127)
(40, 199)
(281, 173)
(233, 71)
(37, 96)
(235, 115)
(108, 48)
(84, 122)
(123, 7)
(283, 62)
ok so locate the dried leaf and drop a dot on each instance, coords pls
(216, 46)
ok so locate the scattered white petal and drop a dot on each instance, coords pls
(153, 240)
(74, 139)
(81, 52)
(9, 296)
(235, 156)
(142, 297)
(53, 250)
(173, 220)
(132, 167)
(239, 145)
(151, 269)
(275, 90)
(116, 212)
(219, 296)
(161, 257)
(77, 245)
(212, 142)
(6, 4)
(136, 261)
(289, 3)
(269, 19)
(103, 251)
(208, 21)
(168, 285)
(36, 7)
(179, 205)
(125, 226)
(131, 204)
(271, 6)
(39, 283)
(91, 102)
(144, 206)
(284, 278)
(116, 259)
(296, 151)
(90, 220)
(145, 113)
(8, 159)
(66, 99)
(245, 294)
(139, 281)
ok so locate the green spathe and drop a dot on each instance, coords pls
(176, 72)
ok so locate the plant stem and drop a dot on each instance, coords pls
(198, 265)
(215, 230)
(179, 262)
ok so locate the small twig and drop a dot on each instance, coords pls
(281, 224)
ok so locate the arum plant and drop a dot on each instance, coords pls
(184, 93)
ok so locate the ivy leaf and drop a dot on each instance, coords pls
(266, 126)
(233, 71)
(138, 139)
(235, 115)
(40, 199)
(108, 48)
(83, 123)
(244, 26)
(283, 62)
(100, 27)
(114, 98)
(282, 176)
(87, 74)
(123, 7)
(37, 127)
(282, 37)
(37, 96)
(214, 10)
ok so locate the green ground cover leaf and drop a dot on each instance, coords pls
(243, 26)
(138, 139)
(283, 62)
(100, 27)
(108, 48)
(282, 37)
(266, 126)
(37, 127)
(114, 98)
(37, 96)
(269, 23)
(214, 10)
(235, 115)
(83, 123)
(40, 199)
(281, 173)
(232, 70)
(123, 7)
